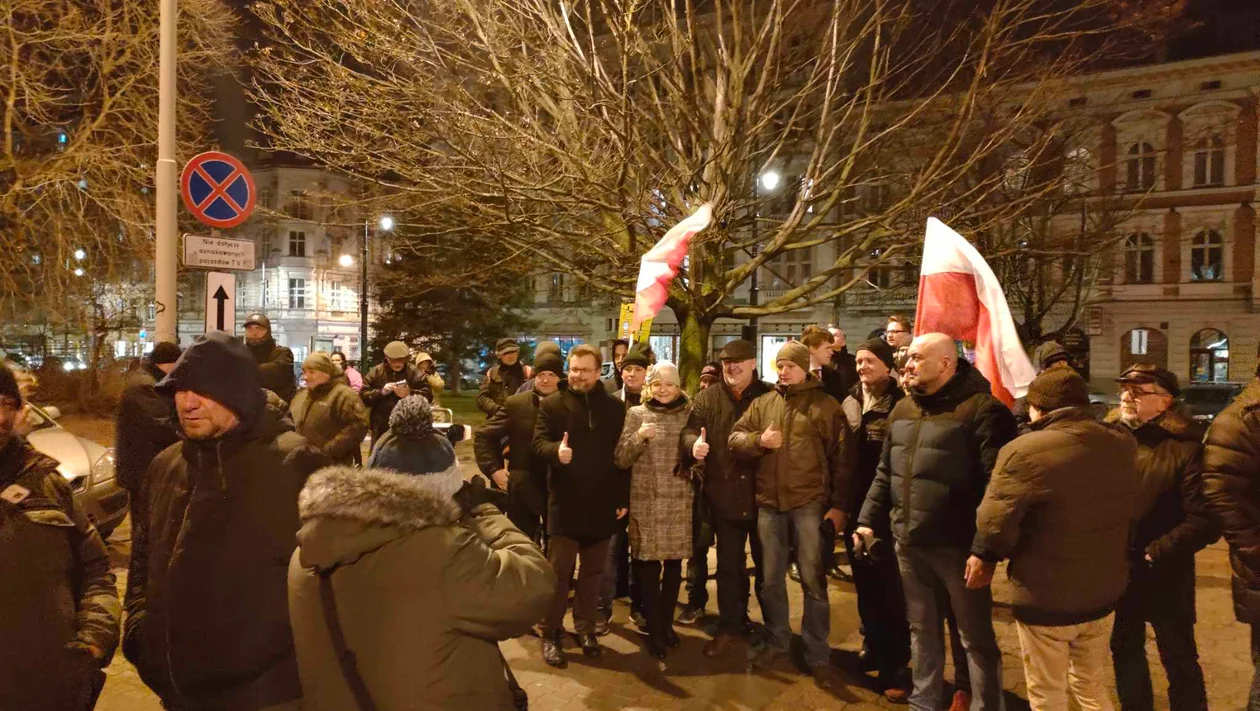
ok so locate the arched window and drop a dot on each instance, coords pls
(1139, 259)
(1209, 356)
(1209, 161)
(1141, 167)
(1207, 257)
(1143, 345)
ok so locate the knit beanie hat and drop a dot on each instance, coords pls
(164, 352)
(413, 446)
(320, 362)
(796, 352)
(1056, 388)
(664, 372)
(878, 348)
(637, 355)
(9, 384)
(547, 347)
(550, 363)
(1049, 353)
(711, 370)
(220, 367)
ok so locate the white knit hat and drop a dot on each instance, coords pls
(665, 372)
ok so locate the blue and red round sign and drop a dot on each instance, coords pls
(218, 189)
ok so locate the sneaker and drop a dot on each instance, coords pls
(590, 645)
(689, 615)
(639, 620)
(824, 677)
(961, 702)
(601, 627)
(721, 644)
(553, 651)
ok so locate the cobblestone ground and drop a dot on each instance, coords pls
(626, 678)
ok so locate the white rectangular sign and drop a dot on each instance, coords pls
(220, 302)
(218, 253)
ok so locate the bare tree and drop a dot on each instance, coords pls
(78, 129)
(571, 135)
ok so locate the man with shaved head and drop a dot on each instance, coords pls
(942, 443)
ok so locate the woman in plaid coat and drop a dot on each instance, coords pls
(660, 499)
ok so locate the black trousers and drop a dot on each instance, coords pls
(733, 539)
(698, 564)
(1172, 618)
(881, 607)
(659, 583)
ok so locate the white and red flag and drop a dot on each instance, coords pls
(660, 265)
(960, 296)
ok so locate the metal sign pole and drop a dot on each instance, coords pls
(166, 228)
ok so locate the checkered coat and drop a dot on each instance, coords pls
(660, 489)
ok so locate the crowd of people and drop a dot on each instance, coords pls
(276, 568)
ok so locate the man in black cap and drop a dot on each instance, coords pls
(710, 375)
(59, 606)
(275, 363)
(388, 383)
(1048, 355)
(503, 379)
(522, 475)
(729, 488)
(1172, 524)
(207, 617)
(144, 425)
(634, 365)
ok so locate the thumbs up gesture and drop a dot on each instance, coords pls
(647, 430)
(772, 438)
(700, 449)
(566, 452)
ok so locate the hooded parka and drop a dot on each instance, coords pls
(332, 419)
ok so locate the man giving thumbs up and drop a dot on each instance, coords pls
(575, 434)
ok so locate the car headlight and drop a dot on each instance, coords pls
(103, 467)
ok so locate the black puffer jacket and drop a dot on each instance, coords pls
(1172, 523)
(730, 484)
(1231, 486)
(275, 367)
(937, 461)
(870, 430)
(207, 623)
(144, 425)
(584, 495)
(513, 424)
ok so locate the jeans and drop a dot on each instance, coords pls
(773, 527)
(659, 582)
(882, 609)
(1253, 704)
(698, 564)
(1174, 638)
(1069, 656)
(563, 554)
(732, 572)
(925, 574)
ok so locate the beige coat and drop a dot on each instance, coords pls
(661, 492)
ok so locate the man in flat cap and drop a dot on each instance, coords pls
(388, 383)
(503, 379)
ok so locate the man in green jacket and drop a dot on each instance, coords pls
(800, 439)
(59, 606)
(327, 412)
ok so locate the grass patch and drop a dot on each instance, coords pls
(464, 406)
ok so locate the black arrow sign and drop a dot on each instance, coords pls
(221, 297)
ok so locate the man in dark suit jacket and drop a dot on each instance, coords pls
(842, 360)
(819, 342)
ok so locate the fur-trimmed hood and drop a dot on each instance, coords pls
(347, 512)
(1174, 422)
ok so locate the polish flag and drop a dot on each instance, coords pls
(960, 296)
(660, 265)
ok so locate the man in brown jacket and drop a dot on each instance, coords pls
(799, 436)
(1231, 485)
(1059, 506)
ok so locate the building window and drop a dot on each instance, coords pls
(1207, 257)
(1143, 345)
(1209, 161)
(1141, 167)
(297, 243)
(297, 293)
(788, 270)
(264, 198)
(299, 205)
(1139, 259)
(336, 298)
(1078, 171)
(1209, 356)
(555, 288)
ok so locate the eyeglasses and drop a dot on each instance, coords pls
(1137, 393)
(582, 371)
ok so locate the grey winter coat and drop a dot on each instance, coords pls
(661, 492)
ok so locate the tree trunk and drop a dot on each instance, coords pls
(693, 348)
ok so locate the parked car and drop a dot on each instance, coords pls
(88, 467)
(1206, 400)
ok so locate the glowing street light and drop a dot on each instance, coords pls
(80, 255)
(346, 261)
(78, 271)
(387, 223)
(770, 180)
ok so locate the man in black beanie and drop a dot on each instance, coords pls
(522, 475)
(144, 425)
(207, 621)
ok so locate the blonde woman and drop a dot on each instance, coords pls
(660, 499)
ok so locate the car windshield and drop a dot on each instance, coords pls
(1208, 396)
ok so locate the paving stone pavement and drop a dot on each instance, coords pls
(626, 678)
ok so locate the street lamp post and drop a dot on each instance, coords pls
(386, 223)
(770, 180)
(164, 268)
